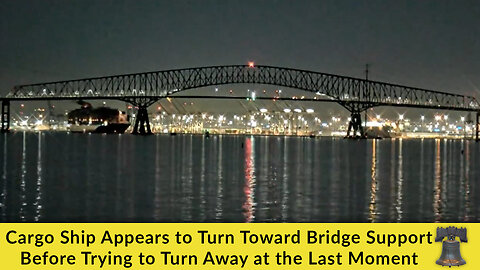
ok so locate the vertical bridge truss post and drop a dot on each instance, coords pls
(477, 128)
(142, 123)
(5, 115)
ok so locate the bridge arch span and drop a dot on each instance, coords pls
(163, 83)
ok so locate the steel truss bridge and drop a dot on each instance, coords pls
(144, 89)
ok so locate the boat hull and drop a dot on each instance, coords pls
(110, 128)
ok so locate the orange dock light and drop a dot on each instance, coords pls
(251, 64)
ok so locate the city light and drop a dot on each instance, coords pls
(253, 95)
(274, 121)
(251, 64)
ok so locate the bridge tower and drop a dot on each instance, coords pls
(5, 115)
(142, 123)
(356, 108)
(355, 129)
(355, 124)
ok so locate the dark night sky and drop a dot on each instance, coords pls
(430, 44)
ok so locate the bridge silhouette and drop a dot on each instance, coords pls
(144, 89)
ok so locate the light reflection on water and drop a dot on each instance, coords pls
(108, 178)
(374, 185)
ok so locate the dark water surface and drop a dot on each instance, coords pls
(108, 178)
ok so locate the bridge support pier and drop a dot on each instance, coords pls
(355, 129)
(5, 115)
(355, 125)
(142, 124)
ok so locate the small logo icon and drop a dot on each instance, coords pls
(451, 247)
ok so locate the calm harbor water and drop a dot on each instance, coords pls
(62, 177)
